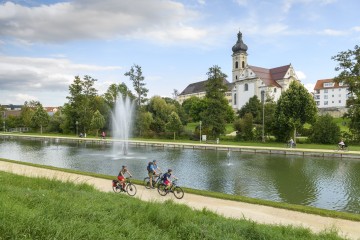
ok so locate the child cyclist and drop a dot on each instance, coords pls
(167, 179)
(121, 176)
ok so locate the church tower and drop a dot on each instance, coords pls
(239, 58)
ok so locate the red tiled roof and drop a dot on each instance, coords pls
(269, 76)
(320, 84)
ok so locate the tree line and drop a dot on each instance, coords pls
(88, 112)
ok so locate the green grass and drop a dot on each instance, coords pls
(36, 208)
(299, 208)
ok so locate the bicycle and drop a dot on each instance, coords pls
(344, 148)
(155, 182)
(130, 188)
(176, 190)
(289, 145)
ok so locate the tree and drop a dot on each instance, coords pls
(135, 75)
(244, 127)
(40, 118)
(174, 124)
(325, 130)
(349, 67)
(27, 112)
(143, 121)
(254, 107)
(215, 114)
(294, 108)
(97, 122)
(114, 91)
(193, 107)
(160, 111)
(81, 105)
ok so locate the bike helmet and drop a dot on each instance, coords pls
(169, 170)
(154, 161)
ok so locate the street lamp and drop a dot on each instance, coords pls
(77, 123)
(200, 131)
(263, 111)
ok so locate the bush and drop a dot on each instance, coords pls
(325, 130)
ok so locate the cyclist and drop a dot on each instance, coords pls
(121, 176)
(151, 173)
(342, 144)
(167, 179)
(156, 168)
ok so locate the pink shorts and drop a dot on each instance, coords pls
(167, 182)
(121, 178)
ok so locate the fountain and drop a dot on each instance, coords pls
(122, 123)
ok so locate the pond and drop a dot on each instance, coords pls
(332, 183)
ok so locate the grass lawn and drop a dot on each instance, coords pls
(36, 208)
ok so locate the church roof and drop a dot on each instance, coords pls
(200, 87)
(269, 76)
(239, 46)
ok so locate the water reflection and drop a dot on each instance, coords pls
(324, 183)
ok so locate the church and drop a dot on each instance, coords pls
(248, 81)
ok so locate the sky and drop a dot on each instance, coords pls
(45, 44)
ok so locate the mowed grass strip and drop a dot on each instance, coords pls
(37, 208)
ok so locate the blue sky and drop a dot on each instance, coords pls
(44, 44)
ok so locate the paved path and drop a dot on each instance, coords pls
(227, 208)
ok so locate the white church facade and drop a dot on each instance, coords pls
(249, 80)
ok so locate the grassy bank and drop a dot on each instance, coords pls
(300, 144)
(35, 208)
(299, 208)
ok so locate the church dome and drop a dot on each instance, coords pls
(240, 46)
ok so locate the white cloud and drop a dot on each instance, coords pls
(25, 73)
(332, 32)
(202, 2)
(241, 2)
(301, 75)
(356, 29)
(21, 98)
(107, 19)
(309, 87)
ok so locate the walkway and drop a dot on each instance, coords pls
(257, 213)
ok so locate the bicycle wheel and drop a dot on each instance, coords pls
(178, 192)
(131, 189)
(117, 188)
(147, 182)
(161, 189)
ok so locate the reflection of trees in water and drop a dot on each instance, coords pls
(297, 179)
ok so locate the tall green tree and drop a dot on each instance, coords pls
(135, 75)
(295, 107)
(215, 115)
(40, 118)
(97, 122)
(27, 112)
(349, 74)
(81, 105)
(193, 107)
(174, 124)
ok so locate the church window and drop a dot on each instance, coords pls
(236, 77)
(274, 90)
(235, 99)
(236, 64)
(243, 64)
(246, 87)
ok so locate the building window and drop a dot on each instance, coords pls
(236, 64)
(325, 91)
(332, 95)
(243, 64)
(246, 87)
(236, 77)
(325, 96)
(234, 98)
(274, 90)
(339, 101)
(326, 103)
(328, 84)
(317, 103)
